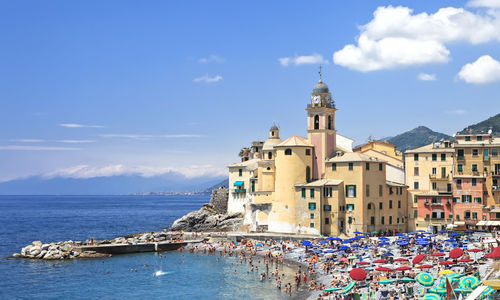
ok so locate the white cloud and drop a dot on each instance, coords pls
(151, 136)
(484, 3)
(208, 79)
(211, 58)
(396, 37)
(36, 148)
(455, 112)
(426, 77)
(85, 171)
(484, 70)
(76, 141)
(27, 140)
(302, 60)
(74, 125)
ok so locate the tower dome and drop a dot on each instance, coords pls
(320, 87)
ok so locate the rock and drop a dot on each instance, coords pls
(206, 219)
(45, 246)
(75, 253)
(66, 248)
(42, 254)
(37, 243)
(34, 251)
(17, 255)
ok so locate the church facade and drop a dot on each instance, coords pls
(317, 185)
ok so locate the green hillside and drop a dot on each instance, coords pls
(484, 126)
(415, 138)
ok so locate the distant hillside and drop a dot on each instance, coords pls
(415, 138)
(493, 122)
(224, 183)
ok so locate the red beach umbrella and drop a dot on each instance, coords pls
(424, 267)
(475, 250)
(343, 259)
(494, 254)
(418, 259)
(361, 263)
(465, 260)
(380, 261)
(403, 268)
(384, 269)
(456, 253)
(400, 259)
(446, 262)
(437, 254)
(358, 274)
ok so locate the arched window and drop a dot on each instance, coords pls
(308, 173)
(272, 133)
(269, 168)
(329, 122)
(288, 151)
(316, 122)
(270, 155)
(369, 206)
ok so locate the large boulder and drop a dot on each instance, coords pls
(206, 219)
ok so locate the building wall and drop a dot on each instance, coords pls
(237, 200)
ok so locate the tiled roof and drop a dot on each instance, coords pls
(295, 141)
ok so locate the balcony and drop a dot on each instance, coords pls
(239, 191)
(460, 158)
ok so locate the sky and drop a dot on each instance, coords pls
(102, 88)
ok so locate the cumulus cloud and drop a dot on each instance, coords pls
(396, 37)
(211, 58)
(455, 112)
(484, 70)
(426, 77)
(208, 79)
(484, 3)
(302, 60)
(86, 171)
(150, 136)
(37, 148)
(75, 125)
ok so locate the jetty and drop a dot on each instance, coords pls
(135, 248)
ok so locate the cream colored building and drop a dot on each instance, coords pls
(317, 185)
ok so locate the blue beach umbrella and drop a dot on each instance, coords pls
(387, 254)
(455, 234)
(450, 240)
(330, 238)
(442, 231)
(469, 231)
(384, 243)
(344, 248)
(357, 232)
(355, 246)
(324, 242)
(337, 239)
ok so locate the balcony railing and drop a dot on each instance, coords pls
(239, 191)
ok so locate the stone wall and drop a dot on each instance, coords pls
(219, 199)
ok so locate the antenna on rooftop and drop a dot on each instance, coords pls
(320, 79)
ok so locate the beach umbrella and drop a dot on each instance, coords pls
(446, 272)
(455, 234)
(387, 254)
(403, 268)
(383, 238)
(306, 243)
(456, 253)
(355, 246)
(348, 288)
(358, 274)
(418, 258)
(438, 290)
(469, 231)
(346, 241)
(474, 250)
(437, 254)
(330, 238)
(406, 279)
(380, 261)
(446, 262)
(494, 254)
(343, 259)
(449, 240)
(328, 251)
(400, 259)
(324, 242)
(403, 243)
(424, 267)
(487, 291)
(258, 245)
(431, 296)
(362, 263)
(462, 290)
(462, 260)
(425, 279)
(383, 269)
(357, 232)
(420, 230)
(384, 243)
(442, 231)
(332, 289)
(387, 281)
(468, 282)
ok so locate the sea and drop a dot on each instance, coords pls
(24, 219)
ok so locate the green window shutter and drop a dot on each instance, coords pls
(434, 157)
(415, 157)
(415, 213)
(311, 225)
(303, 192)
(334, 167)
(311, 191)
(443, 157)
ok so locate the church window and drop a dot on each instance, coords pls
(270, 155)
(316, 122)
(369, 206)
(308, 151)
(329, 122)
(272, 133)
(288, 151)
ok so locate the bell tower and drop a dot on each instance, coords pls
(321, 126)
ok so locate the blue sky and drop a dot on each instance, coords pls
(98, 88)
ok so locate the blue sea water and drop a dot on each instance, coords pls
(24, 219)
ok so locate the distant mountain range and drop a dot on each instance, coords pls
(484, 126)
(415, 138)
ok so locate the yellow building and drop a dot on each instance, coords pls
(382, 150)
(317, 185)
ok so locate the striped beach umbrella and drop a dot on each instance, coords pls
(387, 281)
(425, 279)
(438, 290)
(406, 279)
(468, 282)
(487, 291)
(463, 291)
(349, 287)
(431, 296)
(332, 289)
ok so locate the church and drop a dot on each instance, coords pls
(317, 185)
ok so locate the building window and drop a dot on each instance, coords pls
(253, 186)
(316, 122)
(415, 171)
(415, 199)
(458, 217)
(311, 193)
(467, 138)
(474, 181)
(334, 167)
(475, 152)
(270, 155)
(349, 220)
(380, 190)
(308, 174)
(485, 154)
(415, 213)
(494, 152)
(380, 205)
(390, 203)
(367, 166)
(415, 185)
(367, 189)
(415, 157)
(327, 207)
(443, 172)
(288, 151)
(399, 203)
(466, 199)
(380, 167)
(268, 168)
(308, 151)
(327, 221)
(460, 168)
(240, 172)
(443, 157)
(390, 220)
(477, 199)
(434, 171)
(434, 157)
(311, 225)
(351, 166)
(474, 168)
(382, 220)
(467, 214)
(350, 191)
(311, 215)
(434, 186)
(350, 207)
(479, 138)
(372, 220)
(303, 193)
(369, 206)
(312, 205)
(327, 192)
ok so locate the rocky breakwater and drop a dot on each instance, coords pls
(55, 251)
(208, 219)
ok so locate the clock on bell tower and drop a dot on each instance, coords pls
(321, 126)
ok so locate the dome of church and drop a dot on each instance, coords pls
(320, 87)
(274, 127)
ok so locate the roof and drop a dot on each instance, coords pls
(391, 183)
(249, 164)
(353, 156)
(430, 148)
(320, 182)
(270, 143)
(468, 176)
(320, 87)
(294, 141)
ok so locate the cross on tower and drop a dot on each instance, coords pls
(319, 72)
